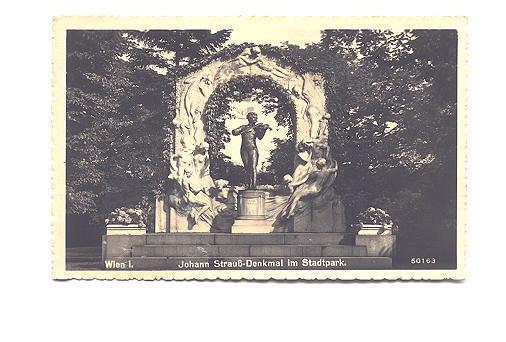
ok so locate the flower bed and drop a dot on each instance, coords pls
(127, 216)
(375, 217)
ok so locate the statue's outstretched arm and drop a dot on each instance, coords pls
(238, 130)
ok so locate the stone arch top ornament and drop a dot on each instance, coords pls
(194, 90)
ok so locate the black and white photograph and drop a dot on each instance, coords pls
(296, 147)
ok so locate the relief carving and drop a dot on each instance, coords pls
(199, 199)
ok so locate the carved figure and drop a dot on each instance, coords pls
(196, 194)
(248, 59)
(320, 178)
(304, 165)
(323, 127)
(194, 186)
(310, 112)
(196, 91)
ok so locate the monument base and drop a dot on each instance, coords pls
(251, 213)
(172, 251)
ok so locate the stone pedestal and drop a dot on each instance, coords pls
(168, 250)
(251, 205)
(377, 245)
(251, 213)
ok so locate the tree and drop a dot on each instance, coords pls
(95, 82)
(120, 102)
(396, 126)
(281, 160)
(182, 45)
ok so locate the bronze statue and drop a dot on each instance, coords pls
(249, 150)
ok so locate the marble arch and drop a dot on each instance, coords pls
(193, 91)
(198, 203)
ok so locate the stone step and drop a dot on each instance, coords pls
(84, 258)
(84, 265)
(247, 250)
(83, 251)
(249, 239)
(239, 263)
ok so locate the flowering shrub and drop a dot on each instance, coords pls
(376, 216)
(127, 216)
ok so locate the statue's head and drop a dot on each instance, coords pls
(296, 91)
(252, 117)
(205, 85)
(321, 162)
(188, 172)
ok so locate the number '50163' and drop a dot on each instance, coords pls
(423, 260)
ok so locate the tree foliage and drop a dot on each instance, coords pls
(182, 45)
(120, 102)
(94, 81)
(395, 126)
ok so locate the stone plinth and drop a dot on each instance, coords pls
(251, 213)
(251, 205)
(227, 245)
(377, 245)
